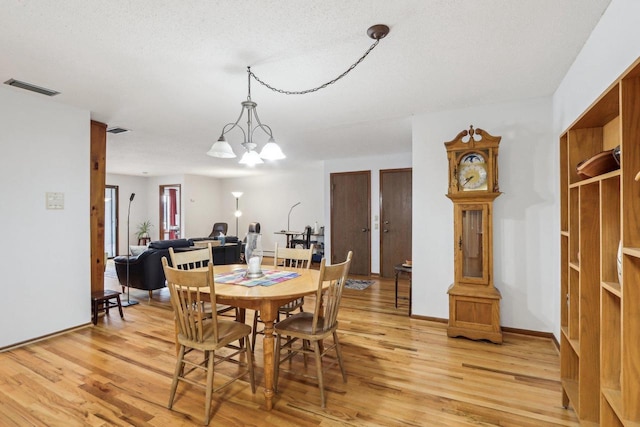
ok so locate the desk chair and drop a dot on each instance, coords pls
(197, 332)
(304, 239)
(312, 328)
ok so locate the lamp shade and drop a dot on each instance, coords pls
(250, 158)
(236, 194)
(221, 149)
(272, 151)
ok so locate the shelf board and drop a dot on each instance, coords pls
(575, 343)
(564, 233)
(634, 252)
(571, 388)
(596, 179)
(613, 287)
(575, 266)
(614, 398)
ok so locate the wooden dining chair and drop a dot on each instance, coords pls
(197, 258)
(309, 329)
(197, 332)
(287, 258)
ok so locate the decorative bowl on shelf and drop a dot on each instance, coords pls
(602, 162)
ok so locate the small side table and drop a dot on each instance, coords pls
(102, 301)
(142, 241)
(401, 269)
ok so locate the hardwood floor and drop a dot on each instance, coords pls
(401, 371)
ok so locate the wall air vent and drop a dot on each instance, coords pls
(32, 88)
(116, 130)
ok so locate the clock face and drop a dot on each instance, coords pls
(472, 172)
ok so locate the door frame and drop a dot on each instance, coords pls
(161, 189)
(116, 220)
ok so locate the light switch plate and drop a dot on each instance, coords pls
(55, 200)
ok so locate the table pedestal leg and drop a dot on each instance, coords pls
(268, 317)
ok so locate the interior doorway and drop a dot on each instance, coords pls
(111, 220)
(351, 220)
(170, 212)
(395, 215)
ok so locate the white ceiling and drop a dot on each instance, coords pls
(174, 72)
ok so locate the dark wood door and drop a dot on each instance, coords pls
(350, 219)
(395, 219)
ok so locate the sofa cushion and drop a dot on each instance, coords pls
(166, 244)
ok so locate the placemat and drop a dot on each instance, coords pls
(271, 277)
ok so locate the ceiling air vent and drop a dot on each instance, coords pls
(32, 88)
(116, 130)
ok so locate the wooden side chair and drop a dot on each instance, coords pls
(312, 328)
(197, 258)
(188, 289)
(287, 258)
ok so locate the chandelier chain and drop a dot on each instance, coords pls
(315, 89)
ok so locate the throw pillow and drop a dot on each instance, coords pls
(137, 250)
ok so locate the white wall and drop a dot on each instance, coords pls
(45, 255)
(611, 48)
(369, 163)
(128, 184)
(201, 196)
(268, 198)
(525, 217)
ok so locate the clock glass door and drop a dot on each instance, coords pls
(472, 243)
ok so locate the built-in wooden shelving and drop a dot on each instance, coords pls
(600, 320)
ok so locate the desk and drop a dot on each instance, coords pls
(289, 235)
(400, 269)
(267, 299)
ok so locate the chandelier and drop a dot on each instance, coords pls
(271, 150)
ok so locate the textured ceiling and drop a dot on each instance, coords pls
(174, 72)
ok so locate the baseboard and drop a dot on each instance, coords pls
(44, 337)
(528, 332)
(429, 318)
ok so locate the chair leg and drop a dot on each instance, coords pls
(276, 363)
(316, 350)
(120, 307)
(176, 374)
(253, 331)
(207, 404)
(249, 353)
(150, 294)
(339, 354)
(94, 318)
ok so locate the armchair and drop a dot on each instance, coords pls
(145, 270)
(219, 227)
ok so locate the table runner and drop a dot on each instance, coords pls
(271, 277)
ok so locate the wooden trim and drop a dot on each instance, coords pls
(97, 178)
(45, 337)
(518, 331)
(429, 318)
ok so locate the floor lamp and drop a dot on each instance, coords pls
(129, 302)
(238, 213)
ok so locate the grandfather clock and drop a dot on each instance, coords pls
(474, 302)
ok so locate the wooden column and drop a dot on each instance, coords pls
(98, 157)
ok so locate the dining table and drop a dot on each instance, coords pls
(266, 299)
